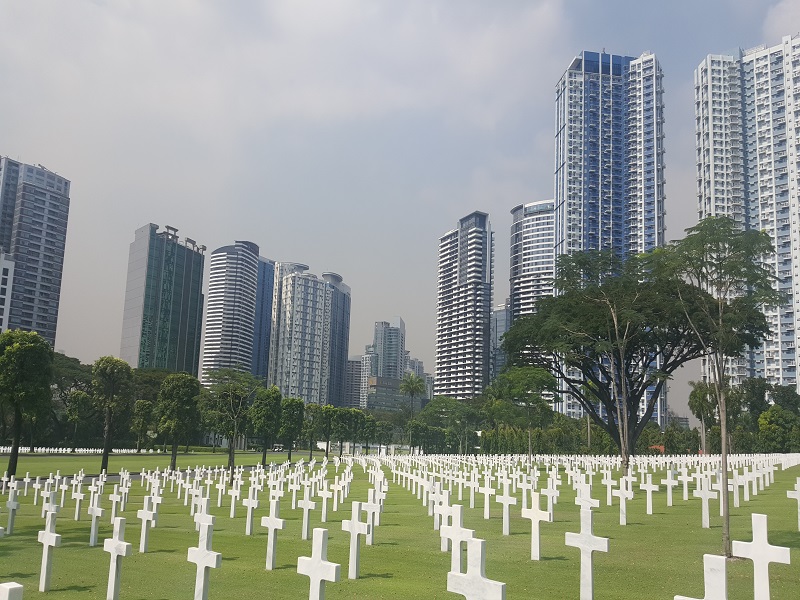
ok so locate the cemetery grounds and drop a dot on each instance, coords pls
(653, 556)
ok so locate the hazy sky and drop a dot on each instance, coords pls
(342, 134)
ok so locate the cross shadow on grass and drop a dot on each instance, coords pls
(378, 575)
(76, 588)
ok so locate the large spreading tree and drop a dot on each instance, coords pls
(26, 362)
(612, 336)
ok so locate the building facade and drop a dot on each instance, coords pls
(609, 155)
(352, 384)
(389, 344)
(6, 286)
(748, 160)
(163, 310)
(231, 313)
(500, 323)
(310, 335)
(532, 266)
(464, 303)
(609, 164)
(34, 209)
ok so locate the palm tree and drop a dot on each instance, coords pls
(412, 385)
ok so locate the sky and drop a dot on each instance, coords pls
(347, 135)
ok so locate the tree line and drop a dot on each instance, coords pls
(50, 399)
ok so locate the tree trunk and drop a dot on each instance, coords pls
(264, 452)
(703, 433)
(107, 439)
(723, 429)
(75, 438)
(289, 457)
(327, 446)
(16, 433)
(173, 461)
(232, 453)
(310, 450)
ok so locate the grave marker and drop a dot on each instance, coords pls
(473, 584)
(117, 547)
(317, 567)
(762, 553)
(588, 543)
(356, 529)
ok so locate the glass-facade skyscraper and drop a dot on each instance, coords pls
(748, 160)
(34, 209)
(463, 308)
(532, 256)
(162, 318)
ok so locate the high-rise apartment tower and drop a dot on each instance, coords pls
(464, 304)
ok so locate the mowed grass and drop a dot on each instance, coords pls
(654, 556)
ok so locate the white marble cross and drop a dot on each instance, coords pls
(96, 513)
(473, 584)
(356, 529)
(115, 499)
(552, 493)
(536, 515)
(624, 495)
(117, 547)
(716, 580)
(12, 505)
(583, 496)
(588, 543)
(307, 505)
(235, 494)
(204, 557)
(372, 509)
(325, 494)
(507, 500)
(670, 482)
(49, 540)
(78, 496)
(317, 567)
(649, 488)
(456, 534)
(488, 491)
(273, 523)
(609, 482)
(762, 553)
(705, 494)
(795, 493)
(685, 478)
(147, 515)
(251, 502)
(11, 591)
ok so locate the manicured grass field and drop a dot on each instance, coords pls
(652, 557)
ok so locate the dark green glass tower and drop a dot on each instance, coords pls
(162, 321)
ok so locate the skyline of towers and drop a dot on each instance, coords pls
(532, 265)
(463, 307)
(748, 157)
(163, 309)
(34, 210)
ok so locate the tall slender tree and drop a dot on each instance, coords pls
(265, 417)
(728, 289)
(112, 381)
(177, 411)
(26, 363)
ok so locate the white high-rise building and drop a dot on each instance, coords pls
(748, 160)
(310, 335)
(532, 255)
(609, 163)
(609, 155)
(464, 305)
(231, 312)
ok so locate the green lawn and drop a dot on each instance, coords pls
(655, 556)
